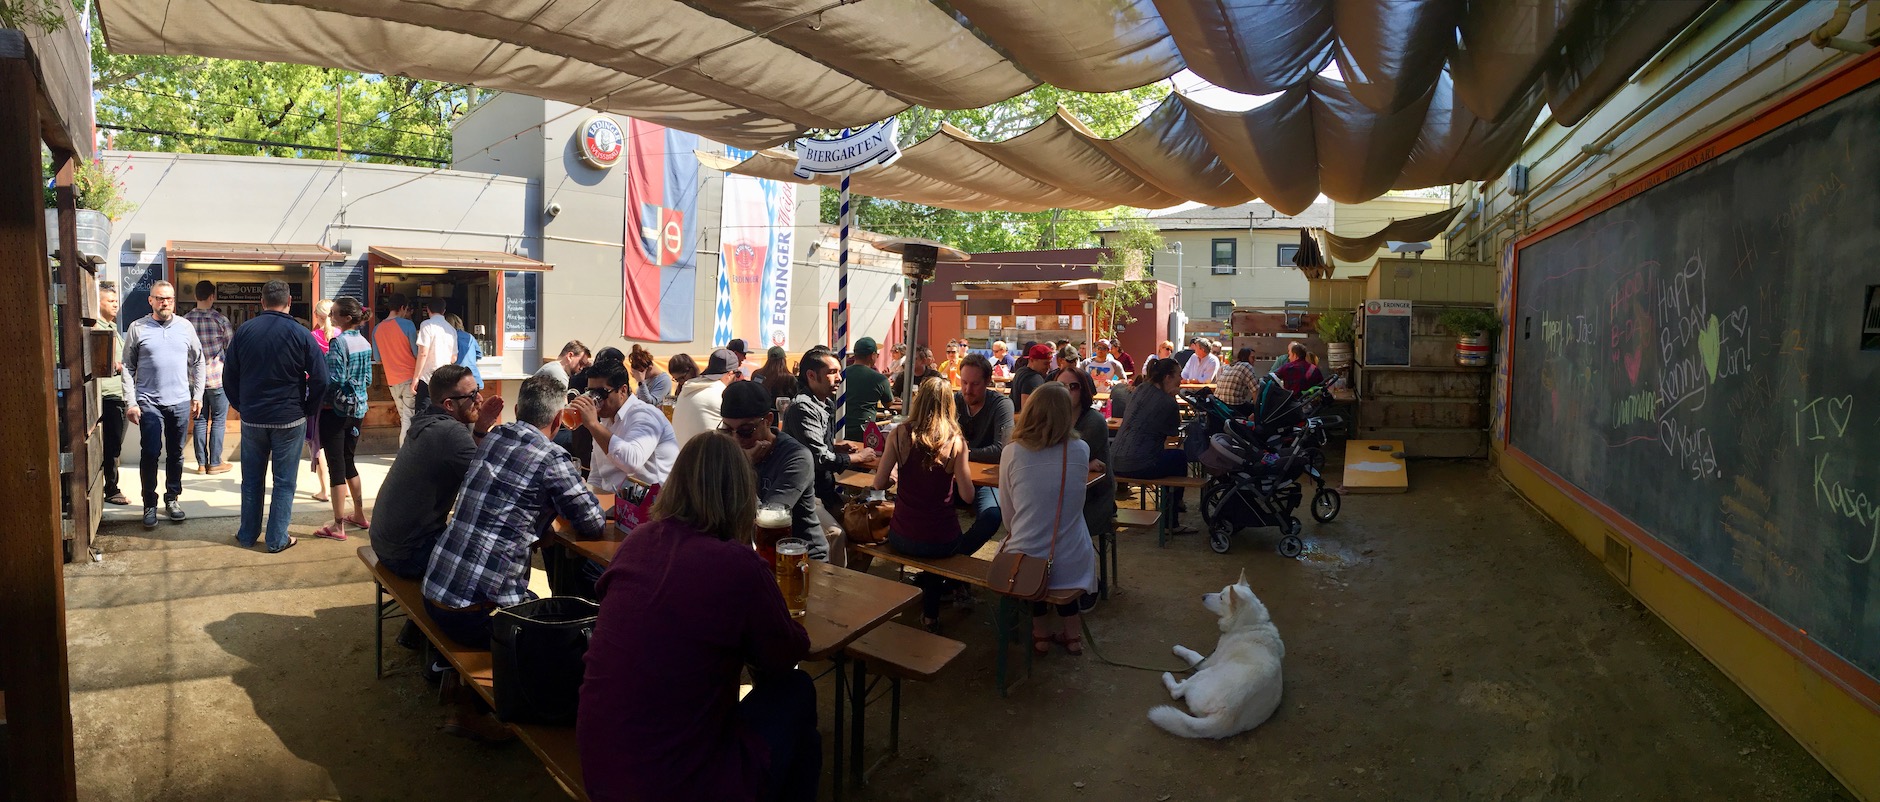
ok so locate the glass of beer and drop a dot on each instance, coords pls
(793, 574)
(773, 524)
(571, 417)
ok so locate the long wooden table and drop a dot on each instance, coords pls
(843, 605)
(984, 474)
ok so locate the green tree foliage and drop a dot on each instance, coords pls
(41, 14)
(1106, 114)
(1132, 250)
(197, 98)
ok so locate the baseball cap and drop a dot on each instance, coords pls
(722, 360)
(1039, 351)
(745, 399)
(865, 346)
(736, 346)
(1103, 343)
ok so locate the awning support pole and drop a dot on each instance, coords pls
(845, 218)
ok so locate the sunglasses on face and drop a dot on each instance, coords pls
(746, 432)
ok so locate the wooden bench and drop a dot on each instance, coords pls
(555, 746)
(1162, 503)
(971, 570)
(897, 652)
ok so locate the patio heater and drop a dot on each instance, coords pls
(919, 257)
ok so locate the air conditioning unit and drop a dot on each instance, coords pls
(1518, 180)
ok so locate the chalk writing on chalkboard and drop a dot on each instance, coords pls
(1689, 358)
(1386, 332)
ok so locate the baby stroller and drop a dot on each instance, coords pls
(1247, 487)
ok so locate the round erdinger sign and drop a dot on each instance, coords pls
(602, 141)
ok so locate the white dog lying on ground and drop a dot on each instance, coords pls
(1238, 686)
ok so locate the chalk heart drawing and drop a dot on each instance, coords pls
(1840, 410)
(1710, 342)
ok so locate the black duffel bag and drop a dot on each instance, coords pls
(537, 650)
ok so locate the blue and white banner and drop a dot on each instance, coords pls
(754, 263)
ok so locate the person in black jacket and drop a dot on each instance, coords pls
(810, 420)
(275, 376)
(786, 473)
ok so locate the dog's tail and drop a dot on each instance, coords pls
(1179, 722)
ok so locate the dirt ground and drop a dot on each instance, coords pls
(1447, 643)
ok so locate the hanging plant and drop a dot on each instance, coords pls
(98, 188)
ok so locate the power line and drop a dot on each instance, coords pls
(273, 144)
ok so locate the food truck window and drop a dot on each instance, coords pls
(471, 295)
(238, 287)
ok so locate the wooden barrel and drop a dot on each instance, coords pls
(1472, 351)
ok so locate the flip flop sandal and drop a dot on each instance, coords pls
(358, 521)
(330, 532)
(1073, 644)
(1041, 644)
(291, 542)
(118, 499)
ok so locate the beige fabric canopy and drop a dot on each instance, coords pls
(1434, 91)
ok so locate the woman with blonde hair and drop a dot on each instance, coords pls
(650, 383)
(666, 722)
(323, 333)
(925, 458)
(1041, 492)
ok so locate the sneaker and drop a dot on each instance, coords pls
(216, 470)
(174, 509)
(150, 517)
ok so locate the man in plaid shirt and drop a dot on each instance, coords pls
(211, 425)
(1235, 384)
(518, 483)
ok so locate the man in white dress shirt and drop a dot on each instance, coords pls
(632, 439)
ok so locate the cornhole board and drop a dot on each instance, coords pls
(1375, 466)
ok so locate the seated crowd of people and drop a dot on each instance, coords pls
(469, 495)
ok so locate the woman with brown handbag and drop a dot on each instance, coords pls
(925, 458)
(1043, 502)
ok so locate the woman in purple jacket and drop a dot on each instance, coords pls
(685, 607)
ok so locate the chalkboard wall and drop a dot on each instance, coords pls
(1692, 358)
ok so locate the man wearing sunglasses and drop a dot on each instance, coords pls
(632, 439)
(418, 492)
(786, 473)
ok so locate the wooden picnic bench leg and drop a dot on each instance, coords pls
(1002, 622)
(836, 777)
(1161, 520)
(858, 708)
(378, 625)
(1115, 567)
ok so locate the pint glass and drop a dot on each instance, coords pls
(773, 524)
(793, 574)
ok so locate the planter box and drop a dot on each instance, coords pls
(94, 234)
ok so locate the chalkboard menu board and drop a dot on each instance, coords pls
(1690, 358)
(521, 300)
(1386, 333)
(344, 280)
(136, 272)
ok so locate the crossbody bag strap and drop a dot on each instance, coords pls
(1063, 473)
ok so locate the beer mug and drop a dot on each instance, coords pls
(793, 574)
(773, 524)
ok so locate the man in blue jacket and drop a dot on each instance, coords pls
(275, 376)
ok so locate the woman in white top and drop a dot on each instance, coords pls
(1041, 480)
(1203, 365)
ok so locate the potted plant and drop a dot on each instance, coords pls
(1472, 327)
(1336, 329)
(100, 200)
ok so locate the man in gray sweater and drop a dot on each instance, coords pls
(986, 423)
(163, 370)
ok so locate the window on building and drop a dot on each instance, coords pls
(1221, 310)
(1223, 257)
(1286, 254)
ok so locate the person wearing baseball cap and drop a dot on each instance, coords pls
(738, 347)
(697, 410)
(786, 472)
(1031, 375)
(867, 389)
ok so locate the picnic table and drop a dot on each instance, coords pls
(843, 605)
(984, 474)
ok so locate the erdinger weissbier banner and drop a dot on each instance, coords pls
(660, 263)
(754, 266)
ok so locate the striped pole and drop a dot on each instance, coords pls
(844, 220)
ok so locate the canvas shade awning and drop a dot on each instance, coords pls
(250, 252)
(1434, 91)
(453, 259)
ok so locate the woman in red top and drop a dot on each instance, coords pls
(685, 607)
(925, 459)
